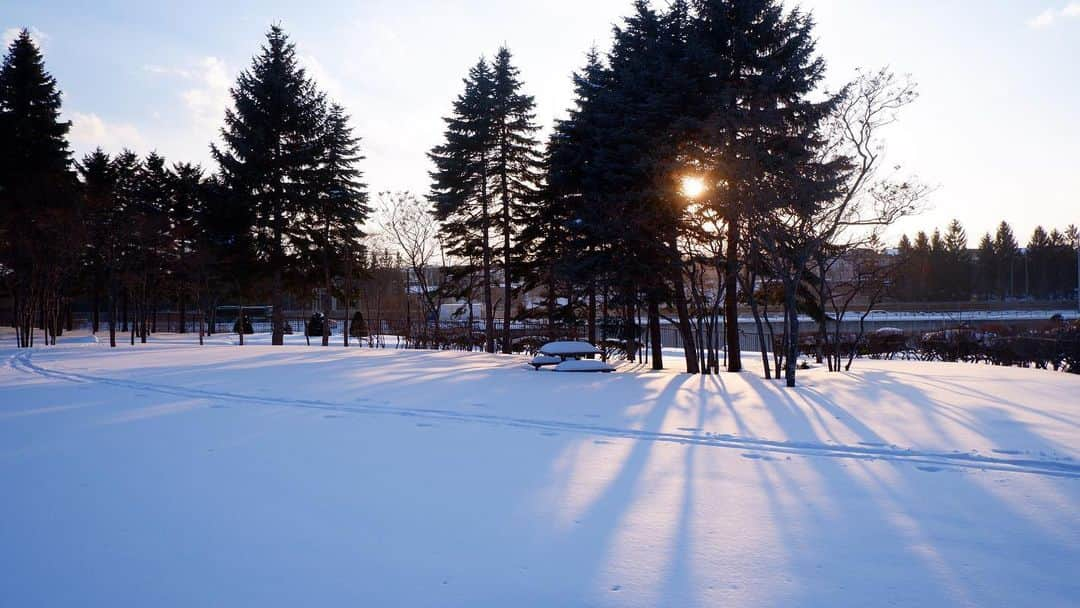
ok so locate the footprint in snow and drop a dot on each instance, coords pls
(549, 433)
(930, 469)
(873, 444)
(616, 587)
(425, 425)
(592, 415)
(603, 442)
(690, 429)
(1010, 452)
(333, 416)
(219, 406)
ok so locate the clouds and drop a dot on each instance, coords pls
(88, 131)
(204, 91)
(322, 77)
(1053, 15)
(11, 33)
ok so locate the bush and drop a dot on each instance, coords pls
(315, 324)
(357, 327)
(248, 329)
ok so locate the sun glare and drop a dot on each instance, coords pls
(693, 187)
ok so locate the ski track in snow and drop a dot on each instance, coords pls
(928, 461)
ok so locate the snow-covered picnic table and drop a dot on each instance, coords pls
(568, 356)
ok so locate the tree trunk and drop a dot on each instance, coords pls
(506, 273)
(112, 316)
(685, 331)
(654, 332)
(792, 312)
(592, 312)
(182, 312)
(731, 300)
(760, 330)
(326, 308)
(95, 318)
(630, 331)
(348, 296)
(489, 314)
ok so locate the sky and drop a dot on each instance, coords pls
(994, 131)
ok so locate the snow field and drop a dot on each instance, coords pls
(168, 474)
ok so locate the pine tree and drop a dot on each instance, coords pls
(39, 227)
(462, 184)
(186, 244)
(105, 224)
(566, 239)
(921, 256)
(1038, 257)
(515, 166)
(340, 205)
(986, 267)
(1005, 251)
(905, 276)
(958, 262)
(939, 267)
(757, 68)
(270, 146)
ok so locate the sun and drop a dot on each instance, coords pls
(693, 187)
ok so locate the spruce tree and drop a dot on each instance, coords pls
(567, 239)
(1006, 251)
(105, 224)
(958, 262)
(39, 227)
(270, 146)
(186, 251)
(757, 67)
(339, 208)
(986, 267)
(462, 185)
(515, 166)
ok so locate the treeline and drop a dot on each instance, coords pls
(700, 167)
(943, 266)
(282, 213)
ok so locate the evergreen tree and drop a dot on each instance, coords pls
(1006, 252)
(757, 70)
(340, 206)
(105, 227)
(1038, 258)
(938, 268)
(958, 262)
(921, 256)
(904, 286)
(270, 147)
(559, 241)
(986, 267)
(462, 184)
(39, 227)
(515, 165)
(186, 243)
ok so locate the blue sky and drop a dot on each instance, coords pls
(995, 129)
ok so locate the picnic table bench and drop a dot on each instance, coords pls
(568, 357)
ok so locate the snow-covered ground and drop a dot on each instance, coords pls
(175, 475)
